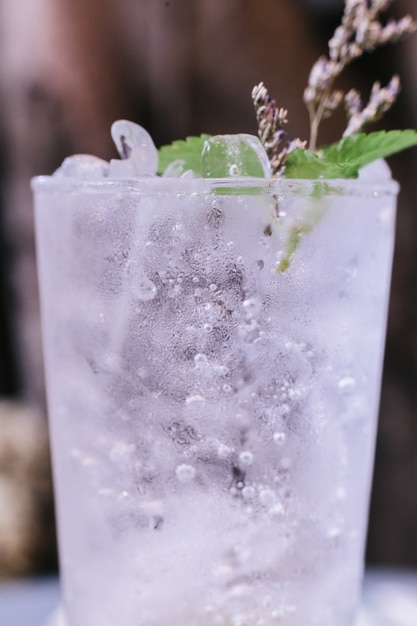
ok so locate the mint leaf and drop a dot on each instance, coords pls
(363, 148)
(345, 158)
(303, 163)
(339, 160)
(188, 150)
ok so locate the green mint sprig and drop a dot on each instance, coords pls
(361, 31)
(345, 158)
(363, 28)
(188, 151)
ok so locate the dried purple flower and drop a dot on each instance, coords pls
(271, 120)
(380, 101)
(359, 32)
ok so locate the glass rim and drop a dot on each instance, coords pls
(157, 185)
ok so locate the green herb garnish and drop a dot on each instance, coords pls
(361, 31)
(345, 158)
(188, 151)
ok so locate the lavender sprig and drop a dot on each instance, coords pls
(271, 121)
(360, 31)
(380, 101)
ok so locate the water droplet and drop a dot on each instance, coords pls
(277, 509)
(201, 360)
(195, 399)
(267, 497)
(279, 438)
(121, 453)
(295, 392)
(245, 458)
(346, 384)
(224, 451)
(248, 492)
(334, 532)
(185, 473)
(124, 496)
(252, 305)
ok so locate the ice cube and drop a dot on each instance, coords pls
(135, 146)
(376, 171)
(140, 286)
(122, 168)
(225, 156)
(176, 170)
(82, 166)
(188, 174)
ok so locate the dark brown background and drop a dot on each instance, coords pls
(178, 67)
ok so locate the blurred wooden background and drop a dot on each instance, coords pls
(180, 67)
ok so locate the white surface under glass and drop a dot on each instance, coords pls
(389, 599)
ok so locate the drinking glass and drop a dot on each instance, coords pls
(213, 352)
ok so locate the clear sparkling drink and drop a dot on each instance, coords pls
(213, 354)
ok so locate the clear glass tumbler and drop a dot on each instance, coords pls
(213, 353)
